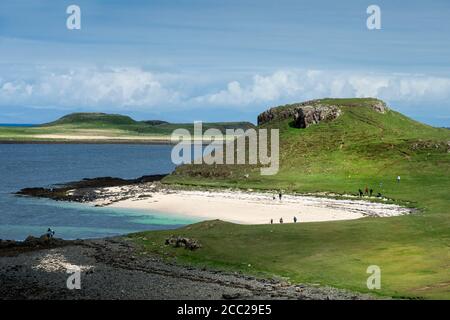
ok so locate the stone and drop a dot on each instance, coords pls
(187, 243)
(230, 296)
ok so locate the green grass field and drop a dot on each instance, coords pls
(361, 147)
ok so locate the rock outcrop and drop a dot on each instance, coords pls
(282, 113)
(380, 107)
(308, 115)
(311, 112)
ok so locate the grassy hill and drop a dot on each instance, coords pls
(102, 126)
(92, 118)
(362, 147)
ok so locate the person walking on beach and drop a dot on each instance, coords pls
(271, 221)
(280, 195)
(281, 220)
(398, 179)
(295, 219)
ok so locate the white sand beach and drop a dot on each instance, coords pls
(248, 207)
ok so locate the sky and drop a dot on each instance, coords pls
(220, 60)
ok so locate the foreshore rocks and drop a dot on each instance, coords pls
(84, 190)
(118, 269)
(31, 243)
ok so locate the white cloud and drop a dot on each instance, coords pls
(302, 85)
(110, 88)
(134, 88)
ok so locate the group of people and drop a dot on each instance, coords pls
(369, 192)
(281, 220)
(280, 195)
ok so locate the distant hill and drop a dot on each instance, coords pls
(92, 118)
(94, 126)
(116, 121)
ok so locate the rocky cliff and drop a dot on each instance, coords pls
(311, 112)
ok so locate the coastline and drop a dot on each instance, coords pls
(148, 194)
(248, 207)
(89, 141)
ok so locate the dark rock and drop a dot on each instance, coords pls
(231, 296)
(42, 241)
(187, 243)
(84, 190)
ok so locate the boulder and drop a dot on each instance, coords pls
(380, 107)
(187, 243)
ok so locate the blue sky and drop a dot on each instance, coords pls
(220, 60)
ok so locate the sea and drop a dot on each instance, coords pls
(46, 165)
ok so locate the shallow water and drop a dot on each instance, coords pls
(42, 165)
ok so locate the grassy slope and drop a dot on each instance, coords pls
(111, 125)
(360, 148)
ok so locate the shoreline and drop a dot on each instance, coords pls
(244, 207)
(91, 141)
(148, 194)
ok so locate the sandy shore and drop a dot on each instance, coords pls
(243, 207)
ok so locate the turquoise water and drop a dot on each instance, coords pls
(16, 125)
(43, 165)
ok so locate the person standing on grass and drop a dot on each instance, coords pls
(398, 179)
(360, 193)
(370, 191)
